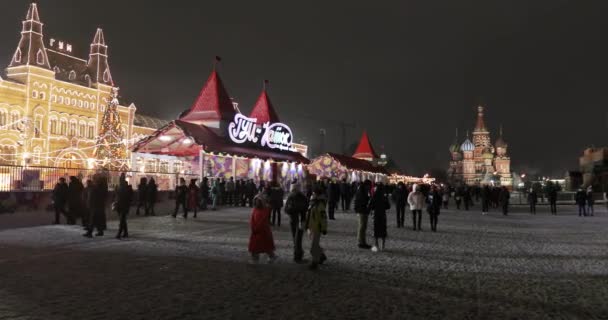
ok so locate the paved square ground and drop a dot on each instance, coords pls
(475, 267)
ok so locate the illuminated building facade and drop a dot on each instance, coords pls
(52, 101)
(478, 162)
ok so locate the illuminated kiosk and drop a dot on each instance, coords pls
(360, 167)
(214, 140)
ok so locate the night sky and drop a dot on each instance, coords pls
(409, 72)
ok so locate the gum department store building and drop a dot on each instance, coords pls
(52, 102)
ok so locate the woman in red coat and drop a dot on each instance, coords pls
(261, 240)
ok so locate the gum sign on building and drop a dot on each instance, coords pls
(52, 102)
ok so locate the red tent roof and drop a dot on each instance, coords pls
(213, 102)
(357, 164)
(263, 110)
(365, 149)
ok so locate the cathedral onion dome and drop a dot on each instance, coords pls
(467, 146)
(487, 153)
(454, 148)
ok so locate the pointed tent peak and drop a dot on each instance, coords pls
(99, 37)
(32, 13)
(365, 150)
(213, 102)
(263, 110)
(480, 126)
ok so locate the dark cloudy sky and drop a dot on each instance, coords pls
(408, 71)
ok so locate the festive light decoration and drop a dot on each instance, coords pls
(111, 150)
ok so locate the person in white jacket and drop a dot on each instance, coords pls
(416, 201)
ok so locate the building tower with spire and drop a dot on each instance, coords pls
(52, 100)
(479, 162)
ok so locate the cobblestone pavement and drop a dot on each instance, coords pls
(475, 267)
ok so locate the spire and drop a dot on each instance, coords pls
(212, 104)
(481, 125)
(98, 66)
(263, 110)
(365, 150)
(31, 50)
(500, 142)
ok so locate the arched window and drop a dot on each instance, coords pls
(61, 99)
(80, 103)
(40, 57)
(82, 129)
(72, 75)
(34, 94)
(15, 117)
(87, 78)
(72, 131)
(18, 55)
(7, 155)
(64, 126)
(42, 95)
(74, 102)
(86, 104)
(38, 126)
(106, 76)
(91, 134)
(54, 127)
(92, 105)
(3, 118)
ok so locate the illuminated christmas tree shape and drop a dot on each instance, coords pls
(110, 150)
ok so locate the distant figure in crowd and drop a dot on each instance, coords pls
(400, 200)
(124, 195)
(250, 192)
(532, 200)
(379, 204)
(238, 193)
(333, 194)
(503, 199)
(142, 194)
(86, 199)
(215, 194)
(416, 201)
(590, 201)
(222, 192)
(276, 203)
(316, 224)
(486, 194)
(345, 195)
(98, 198)
(458, 198)
(181, 194)
(362, 198)
(151, 194)
(204, 190)
(75, 205)
(552, 194)
(434, 207)
(445, 197)
(261, 240)
(467, 199)
(60, 198)
(230, 187)
(296, 206)
(581, 200)
(193, 193)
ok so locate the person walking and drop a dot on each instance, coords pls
(532, 200)
(193, 193)
(75, 205)
(124, 195)
(467, 199)
(333, 195)
(86, 201)
(230, 187)
(215, 194)
(590, 201)
(416, 201)
(276, 203)
(222, 192)
(238, 193)
(458, 197)
(400, 199)
(296, 206)
(316, 224)
(434, 207)
(362, 198)
(581, 200)
(250, 191)
(552, 195)
(204, 193)
(379, 204)
(142, 193)
(261, 240)
(345, 195)
(98, 198)
(445, 197)
(181, 194)
(503, 199)
(151, 196)
(486, 194)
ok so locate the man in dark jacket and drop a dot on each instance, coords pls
(296, 206)
(151, 194)
(553, 199)
(333, 196)
(181, 193)
(98, 197)
(581, 200)
(503, 199)
(60, 197)
(362, 198)
(141, 194)
(434, 202)
(345, 195)
(250, 191)
(204, 189)
(400, 199)
(124, 194)
(75, 205)
(532, 200)
(486, 195)
(276, 203)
